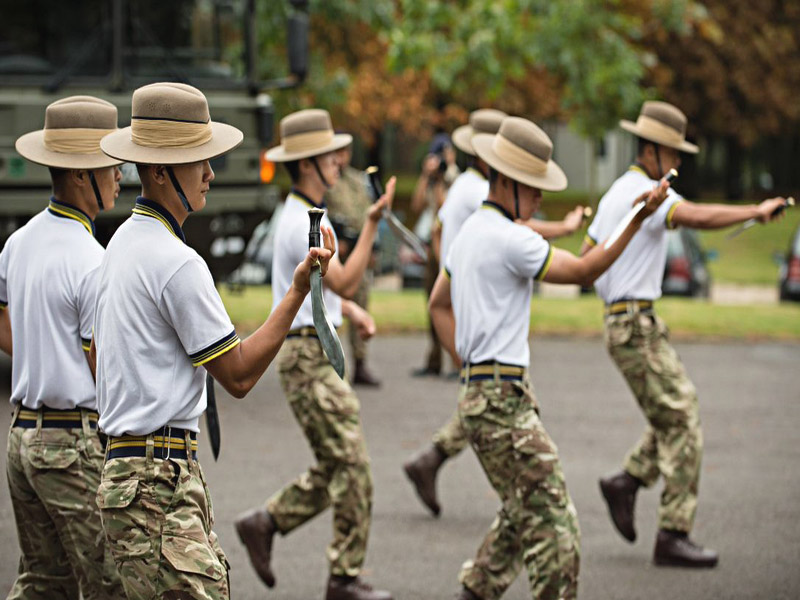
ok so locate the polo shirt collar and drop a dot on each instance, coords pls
(305, 199)
(476, 171)
(148, 208)
(494, 206)
(637, 168)
(68, 211)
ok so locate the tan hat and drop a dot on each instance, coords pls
(307, 133)
(170, 125)
(483, 120)
(521, 151)
(73, 128)
(663, 124)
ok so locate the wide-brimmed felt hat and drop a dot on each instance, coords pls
(73, 128)
(307, 133)
(522, 151)
(483, 120)
(662, 123)
(170, 125)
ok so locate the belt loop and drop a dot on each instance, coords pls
(629, 307)
(167, 442)
(85, 424)
(39, 420)
(496, 366)
(187, 436)
(466, 374)
(149, 459)
(15, 413)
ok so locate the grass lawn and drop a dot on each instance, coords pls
(397, 312)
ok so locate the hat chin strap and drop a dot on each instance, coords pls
(178, 190)
(658, 162)
(96, 189)
(319, 172)
(516, 198)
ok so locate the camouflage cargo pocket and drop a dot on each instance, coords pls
(126, 526)
(473, 403)
(539, 478)
(191, 554)
(618, 331)
(51, 455)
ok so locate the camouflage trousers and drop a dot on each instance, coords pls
(53, 476)
(672, 444)
(536, 525)
(157, 517)
(450, 438)
(361, 298)
(329, 414)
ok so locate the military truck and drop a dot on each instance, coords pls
(107, 48)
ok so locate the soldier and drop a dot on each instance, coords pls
(348, 203)
(637, 339)
(48, 283)
(324, 405)
(480, 306)
(464, 197)
(159, 326)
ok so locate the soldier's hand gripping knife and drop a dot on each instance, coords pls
(404, 234)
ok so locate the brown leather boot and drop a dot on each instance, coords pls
(256, 529)
(353, 588)
(675, 549)
(363, 376)
(619, 490)
(422, 470)
(467, 594)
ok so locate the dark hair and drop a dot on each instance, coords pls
(641, 144)
(493, 175)
(57, 175)
(293, 168)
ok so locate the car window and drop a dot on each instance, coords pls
(796, 247)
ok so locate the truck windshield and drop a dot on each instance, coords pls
(178, 40)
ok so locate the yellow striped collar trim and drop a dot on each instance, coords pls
(300, 196)
(475, 171)
(67, 211)
(148, 208)
(487, 205)
(638, 169)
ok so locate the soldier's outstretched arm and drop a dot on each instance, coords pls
(718, 216)
(568, 268)
(344, 279)
(551, 230)
(5, 332)
(359, 318)
(440, 306)
(240, 368)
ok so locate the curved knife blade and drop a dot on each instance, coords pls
(322, 323)
(406, 236)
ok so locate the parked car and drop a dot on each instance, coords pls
(686, 272)
(789, 279)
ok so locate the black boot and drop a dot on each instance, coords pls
(353, 588)
(256, 529)
(675, 549)
(363, 376)
(619, 490)
(422, 470)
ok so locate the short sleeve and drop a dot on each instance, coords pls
(87, 296)
(191, 305)
(662, 218)
(4, 276)
(528, 254)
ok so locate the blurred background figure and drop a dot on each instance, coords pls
(348, 202)
(439, 170)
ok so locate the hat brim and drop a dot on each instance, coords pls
(554, 179)
(119, 145)
(278, 154)
(654, 137)
(31, 146)
(462, 139)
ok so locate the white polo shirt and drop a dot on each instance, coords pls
(637, 273)
(47, 280)
(291, 248)
(159, 317)
(463, 198)
(492, 264)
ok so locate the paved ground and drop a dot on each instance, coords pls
(749, 507)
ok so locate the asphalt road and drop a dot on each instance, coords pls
(748, 510)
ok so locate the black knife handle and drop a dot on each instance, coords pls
(314, 233)
(671, 176)
(789, 202)
(375, 181)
